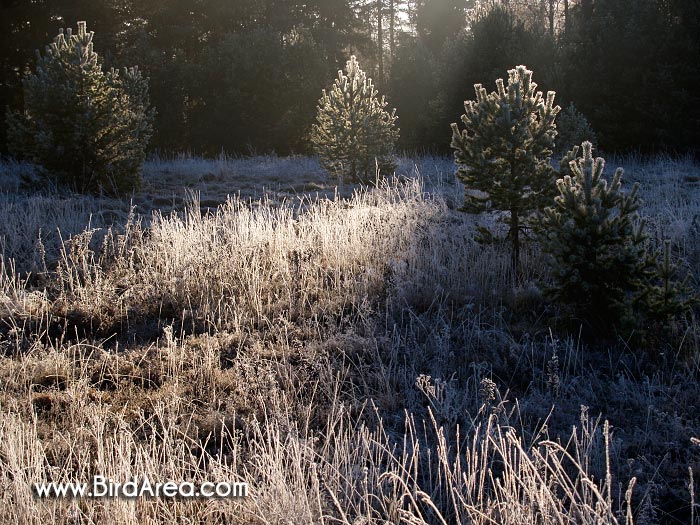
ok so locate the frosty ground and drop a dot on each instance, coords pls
(350, 352)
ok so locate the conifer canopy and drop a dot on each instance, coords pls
(596, 242)
(354, 133)
(505, 149)
(83, 127)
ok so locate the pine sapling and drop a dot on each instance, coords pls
(667, 297)
(354, 134)
(596, 243)
(503, 154)
(81, 126)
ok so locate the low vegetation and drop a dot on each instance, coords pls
(354, 355)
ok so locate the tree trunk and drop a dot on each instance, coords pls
(566, 17)
(551, 17)
(514, 232)
(392, 35)
(514, 235)
(380, 44)
(586, 8)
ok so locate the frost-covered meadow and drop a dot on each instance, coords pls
(350, 352)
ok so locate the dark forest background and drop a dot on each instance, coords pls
(244, 76)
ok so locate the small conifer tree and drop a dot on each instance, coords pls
(505, 149)
(668, 297)
(573, 128)
(596, 243)
(354, 133)
(81, 126)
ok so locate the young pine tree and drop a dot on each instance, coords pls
(669, 297)
(354, 133)
(572, 129)
(505, 149)
(82, 127)
(595, 241)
